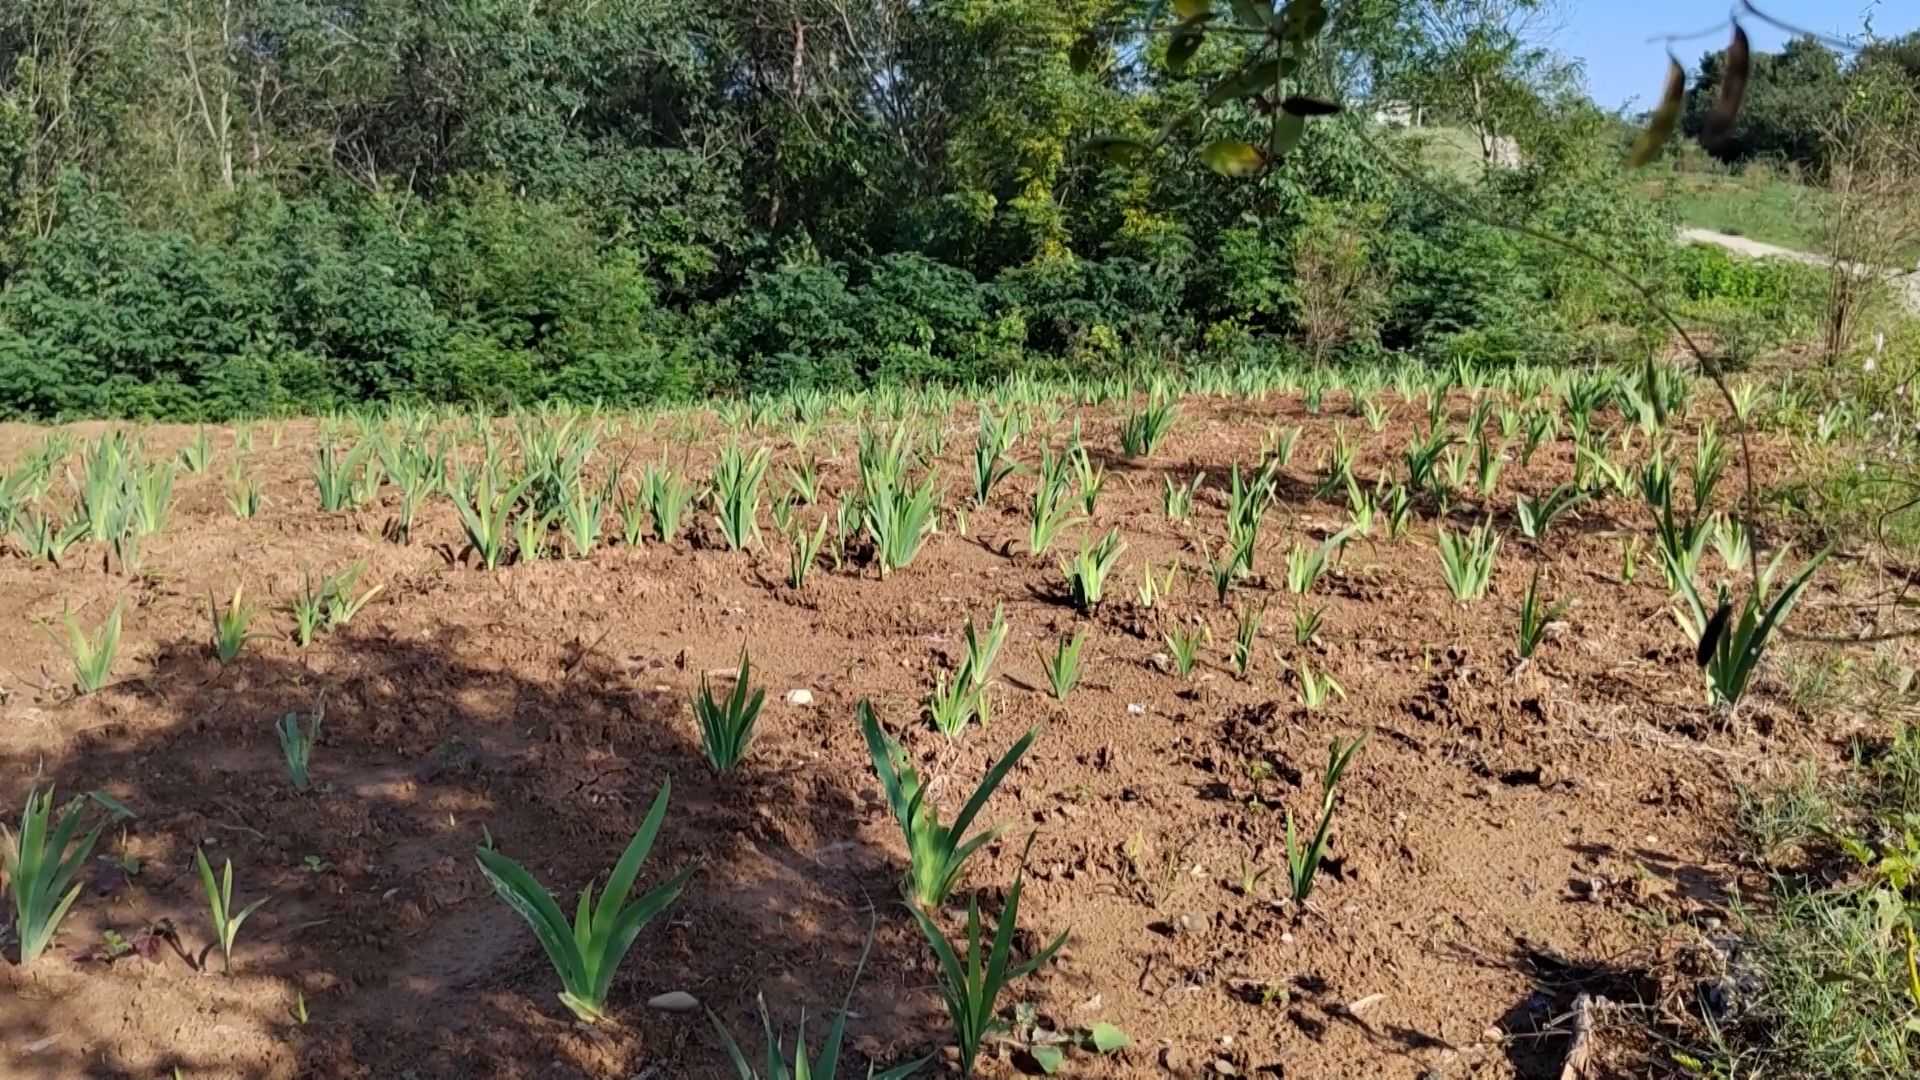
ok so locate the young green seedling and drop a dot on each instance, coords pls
(40, 870)
(727, 727)
(226, 921)
(231, 626)
(971, 987)
(586, 953)
(1063, 664)
(936, 853)
(296, 746)
(1303, 861)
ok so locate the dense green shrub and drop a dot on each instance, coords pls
(1707, 272)
(261, 302)
(275, 305)
(1075, 305)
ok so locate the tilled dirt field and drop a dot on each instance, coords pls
(1506, 840)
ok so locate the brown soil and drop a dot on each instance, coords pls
(1505, 840)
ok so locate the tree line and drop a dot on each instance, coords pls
(1794, 97)
(221, 207)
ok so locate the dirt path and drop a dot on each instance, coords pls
(1907, 283)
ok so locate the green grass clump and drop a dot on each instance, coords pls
(971, 986)
(40, 870)
(1145, 428)
(1063, 664)
(1466, 561)
(226, 921)
(1086, 573)
(232, 626)
(587, 952)
(936, 853)
(1536, 617)
(727, 725)
(1730, 641)
(91, 655)
(486, 515)
(736, 495)
(296, 746)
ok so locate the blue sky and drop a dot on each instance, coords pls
(1610, 36)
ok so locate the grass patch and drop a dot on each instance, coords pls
(1829, 988)
(1757, 205)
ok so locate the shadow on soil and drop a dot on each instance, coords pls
(407, 962)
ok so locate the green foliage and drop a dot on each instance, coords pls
(1178, 498)
(580, 518)
(1316, 687)
(1305, 565)
(485, 511)
(990, 462)
(1535, 516)
(91, 655)
(955, 702)
(1730, 642)
(243, 494)
(1183, 645)
(1304, 859)
(587, 953)
(1050, 511)
(1063, 664)
(296, 746)
(329, 603)
(40, 868)
(335, 474)
(1090, 478)
(1682, 538)
(1246, 634)
(936, 853)
(899, 515)
(40, 536)
(526, 205)
(666, 495)
(1466, 561)
(196, 455)
(1790, 95)
(226, 921)
(231, 626)
(803, 551)
(1086, 573)
(1534, 618)
(1144, 429)
(727, 726)
(971, 986)
(737, 482)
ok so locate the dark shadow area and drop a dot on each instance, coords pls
(406, 961)
(1538, 1029)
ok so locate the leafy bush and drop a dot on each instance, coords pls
(1066, 302)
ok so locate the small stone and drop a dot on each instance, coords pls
(801, 697)
(1224, 1067)
(674, 1001)
(1134, 709)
